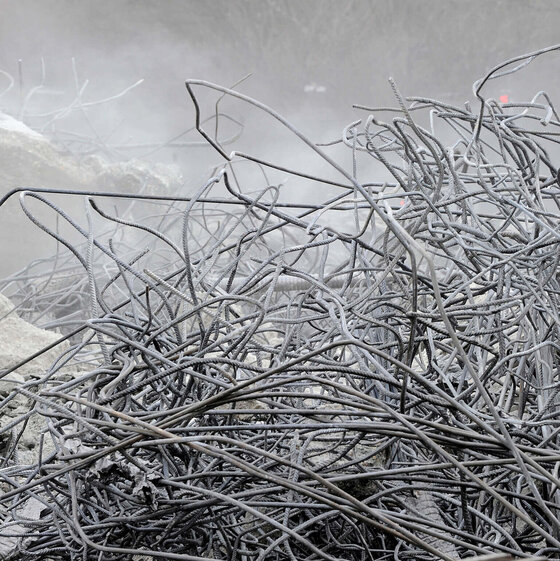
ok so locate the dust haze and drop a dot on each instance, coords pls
(311, 60)
(308, 60)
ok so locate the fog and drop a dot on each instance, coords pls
(310, 60)
(348, 49)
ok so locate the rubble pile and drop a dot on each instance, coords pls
(369, 375)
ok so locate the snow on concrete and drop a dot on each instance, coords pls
(11, 124)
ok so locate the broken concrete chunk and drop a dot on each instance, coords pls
(6, 307)
(10, 382)
(30, 511)
(19, 340)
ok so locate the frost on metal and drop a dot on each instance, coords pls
(372, 374)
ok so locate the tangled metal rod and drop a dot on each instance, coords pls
(372, 376)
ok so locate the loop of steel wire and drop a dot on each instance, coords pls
(372, 376)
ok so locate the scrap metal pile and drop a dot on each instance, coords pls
(372, 375)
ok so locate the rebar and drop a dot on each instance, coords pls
(370, 375)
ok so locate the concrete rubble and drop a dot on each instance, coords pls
(29, 159)
(19, 340)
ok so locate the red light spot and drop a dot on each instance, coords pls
(504, 98)
(402, 202)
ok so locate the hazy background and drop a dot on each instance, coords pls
(309, 59)
(348, 47)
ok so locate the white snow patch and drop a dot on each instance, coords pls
(10, 124)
